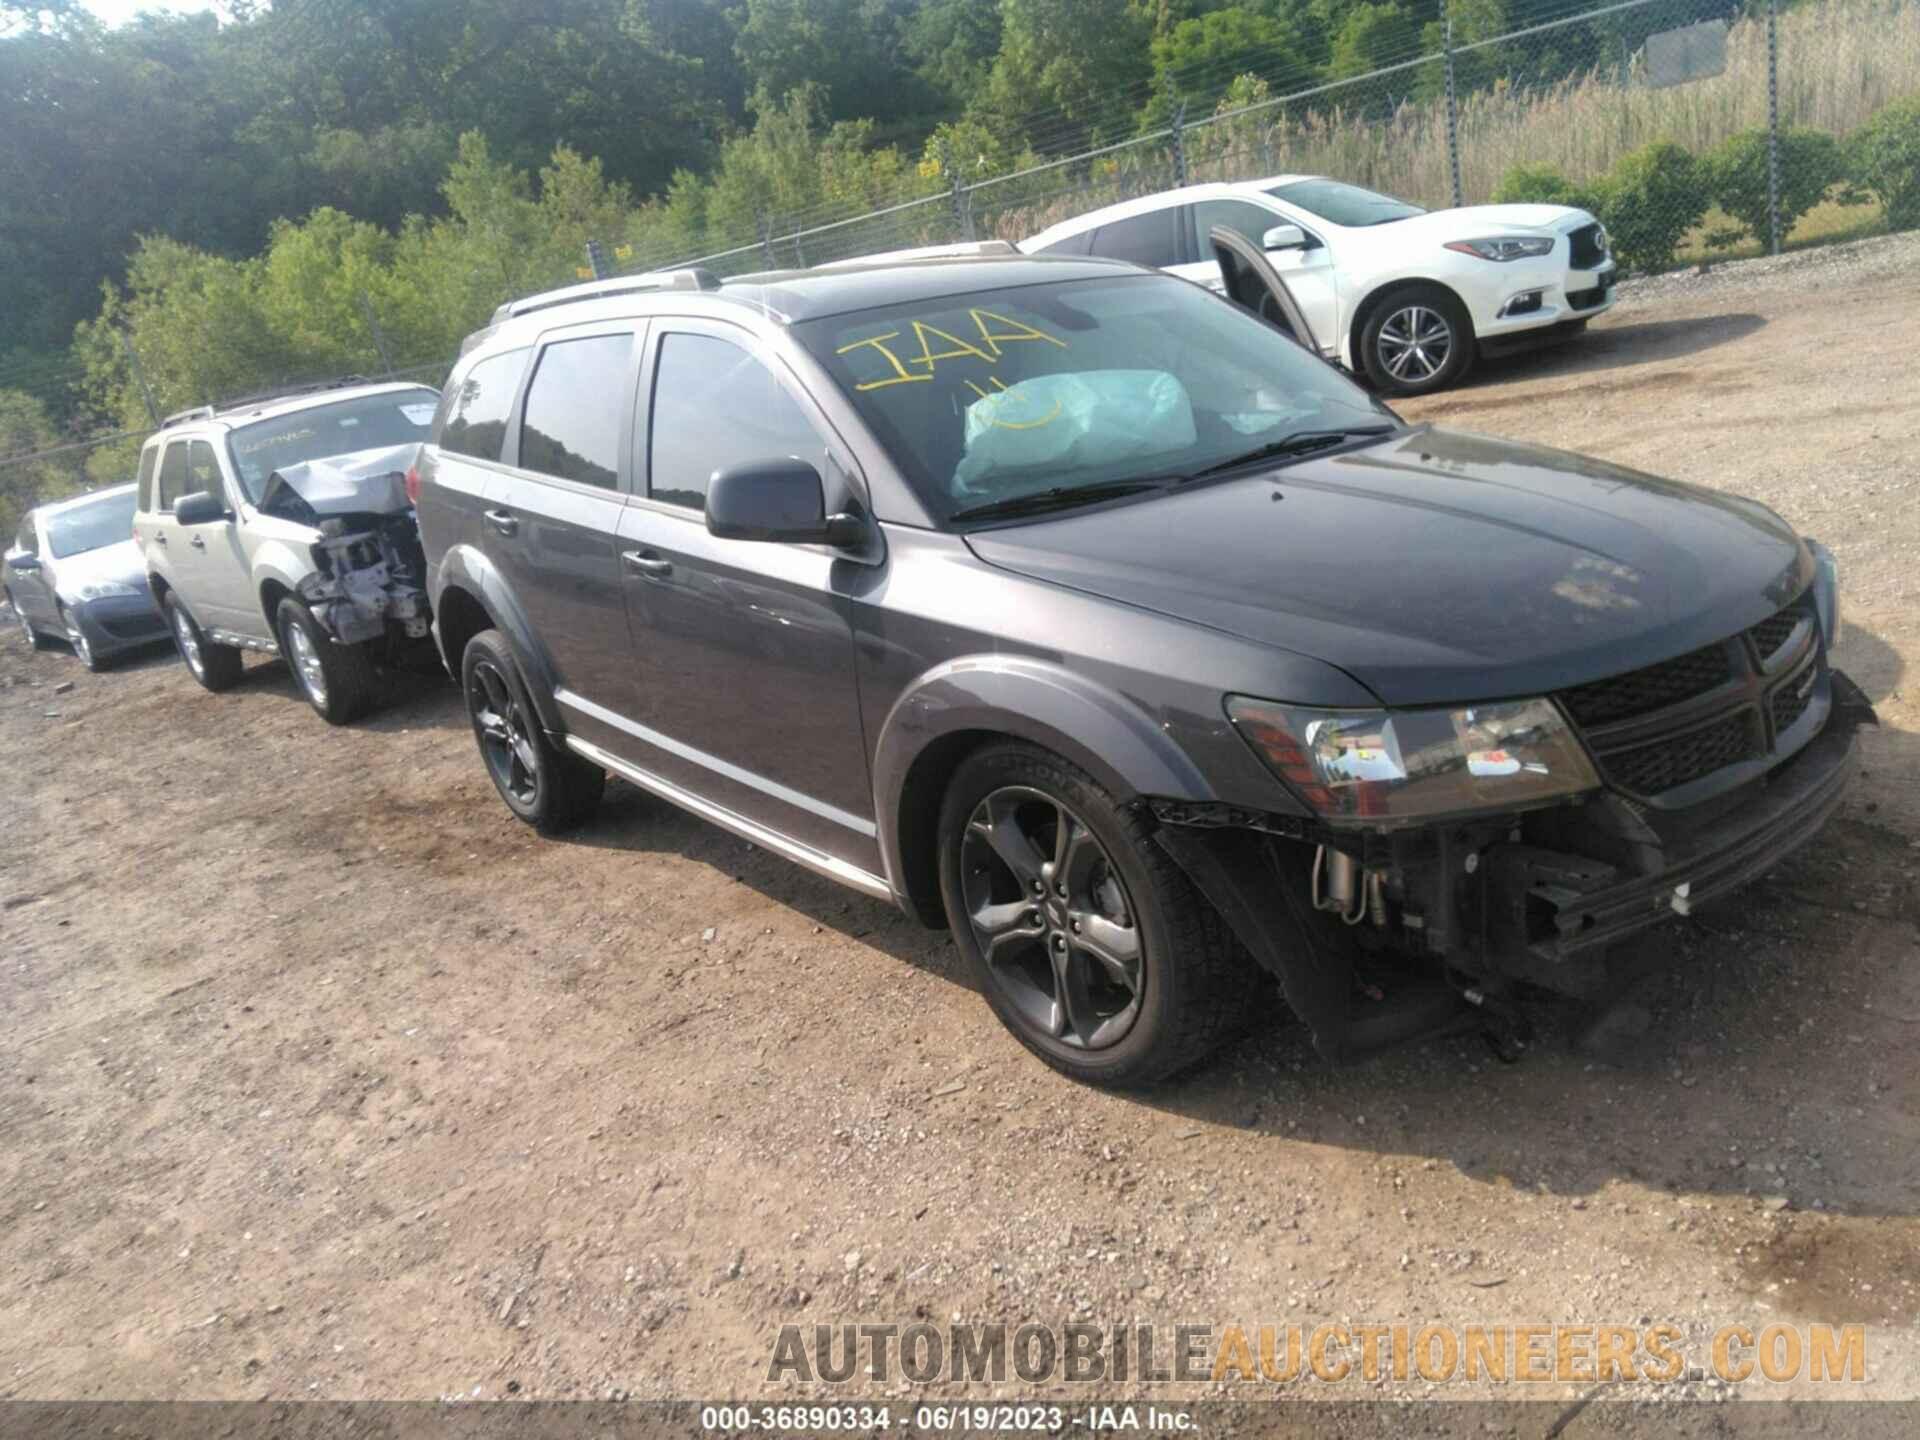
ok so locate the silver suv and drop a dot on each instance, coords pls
(285, 525)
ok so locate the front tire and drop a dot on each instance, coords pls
(1417, 340)
(548, 787)
(216, 667)
(1090, 943)
(82, 647)
(338, 680)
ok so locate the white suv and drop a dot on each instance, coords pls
(286, 525)
(1402, 294)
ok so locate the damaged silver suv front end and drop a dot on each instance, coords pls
(369, 574)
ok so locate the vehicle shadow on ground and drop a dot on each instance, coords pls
(415, 698)
(1609, 345)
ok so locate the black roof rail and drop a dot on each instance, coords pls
(180, 417)
(288, 392)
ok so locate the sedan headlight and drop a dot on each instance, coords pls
(101, 590)
(1505, 247)
(1397, 767)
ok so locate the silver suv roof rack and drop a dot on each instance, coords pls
(691, 278)
(180, 417)
(962, 250)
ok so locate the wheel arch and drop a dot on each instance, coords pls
(965, 704)
(470, 595)
(1370, 303)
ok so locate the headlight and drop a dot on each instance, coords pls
(1505, 247)
(1396, 767)
(102, 589)
(1826, 591)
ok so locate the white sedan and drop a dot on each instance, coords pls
(1405, 295)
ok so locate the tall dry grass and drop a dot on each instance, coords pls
(1840, 61)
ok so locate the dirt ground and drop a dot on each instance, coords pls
(320, 1076)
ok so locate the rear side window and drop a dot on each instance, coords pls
(173, 475)
(476, 409)
(571, 426)
(1252, 221)
(1073, 245)
(714, 406)
(1151, 239)
(149, 458)
(203, 471)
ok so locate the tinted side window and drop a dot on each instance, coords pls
(173, 475)
(203, 472)
(1249, 220)
(1152, 239)
(714, 405)
(28, 539)
(149, 457)
(474, 412)
(1080, 244)
(572, 423)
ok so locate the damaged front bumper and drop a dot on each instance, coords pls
(369, 579)
(1542, 898)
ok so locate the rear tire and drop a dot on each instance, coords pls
(1416, 341)
(35, 641)
(338, 680)
(216, 667)
(549, 787)
(1106, 962)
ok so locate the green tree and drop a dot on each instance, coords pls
(1883, 158)
(1373, 36)
(25, 429)
(1070, 71)
(1736, 174)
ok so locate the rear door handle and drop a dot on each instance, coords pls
(197, 543)
(645, 562)
(160, 537)
(502, 521)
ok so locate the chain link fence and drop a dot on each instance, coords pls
(1695, 130)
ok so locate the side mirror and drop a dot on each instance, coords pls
(779, 500)
(24, 563)
(1284, 237)
(201, 508)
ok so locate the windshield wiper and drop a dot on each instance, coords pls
(1300, 442)
(1061, 497)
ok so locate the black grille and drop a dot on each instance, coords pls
(1586, 299)
(1586, 252)
(131, 627)
(1790, 701)
(1654, 688)
(1677, 759)
(1771, 633)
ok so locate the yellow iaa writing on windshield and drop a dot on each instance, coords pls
(1001, 331)
(1000, 424)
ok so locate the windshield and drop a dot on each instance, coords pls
(367, 423)
(105, 521)
(998, 394)
(1347, 205)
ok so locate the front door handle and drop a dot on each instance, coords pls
(645, 562)
(160, 536)
(503, 522)
(198, 543)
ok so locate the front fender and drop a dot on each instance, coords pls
(1100, 731)
(466, 568)
(278, 562)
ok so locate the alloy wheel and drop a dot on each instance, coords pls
(1052, 918)
(1415, 343)
(189, 643)
(306, 663)
(506, 741)
(26, 625)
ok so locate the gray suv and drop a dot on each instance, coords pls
(1088, 613)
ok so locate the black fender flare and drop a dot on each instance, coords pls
(465, 568)
(1028, 699)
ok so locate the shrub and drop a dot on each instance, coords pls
(1651, 199)
(1736, 175)
(1883, 156)
(1539, 185)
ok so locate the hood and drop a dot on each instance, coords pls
(1436, 566)
(362, 482)
(1470, 220)
(120, 561)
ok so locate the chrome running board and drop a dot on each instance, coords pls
(787, 848)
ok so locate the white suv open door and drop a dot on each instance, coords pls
(1253, 284)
